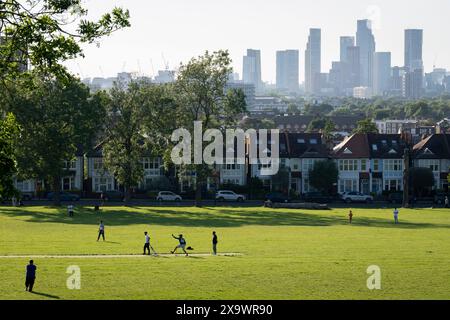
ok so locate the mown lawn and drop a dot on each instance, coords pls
(286, 254)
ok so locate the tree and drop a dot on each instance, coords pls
(316, 124)
(421, 179)
(201, 93)
(280, 181)
(40, 31)
(9, 131)
(123, 147)
(328, 129)
(324, 175)
(57, 117)
(366, 126)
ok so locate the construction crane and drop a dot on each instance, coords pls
(166, 64)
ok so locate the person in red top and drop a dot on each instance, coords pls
(350, 216)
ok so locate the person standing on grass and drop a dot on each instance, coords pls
(446, 201)
(101, 231)
(30, 276)
(147, 243)
(70, 210)
(350, 216)
(214, 243)
(182, 244)
(395, 216)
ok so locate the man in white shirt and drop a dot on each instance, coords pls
(395, 216)
(101, 231)
(70, 210)
(147, 243)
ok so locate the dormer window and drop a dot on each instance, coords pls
(300, 140)
(347, 151)
(313, 141)
(374, 147)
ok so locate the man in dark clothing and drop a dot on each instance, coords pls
(30, 277)
(182, 244)
(101, 231)
(214, 243)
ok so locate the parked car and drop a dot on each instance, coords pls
(354, 196)
(64, 196)
(277, 197)
(439, 198)
(112, 195)
(168, 196)
(316, 197)
(227, 195)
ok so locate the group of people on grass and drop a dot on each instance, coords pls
(181, 241)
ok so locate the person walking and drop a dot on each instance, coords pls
(30, 276)
(350, 216)
(395, 216)
(214, 243)
(101, 231)
(181, 245)
(147, 243)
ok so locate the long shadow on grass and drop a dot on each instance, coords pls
(206, 217)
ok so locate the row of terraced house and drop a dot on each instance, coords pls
(367, 163)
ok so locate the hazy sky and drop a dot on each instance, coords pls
(180, 29)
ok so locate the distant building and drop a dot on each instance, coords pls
(366, 43)
(413, 80)
(381, 73)
(345, 43)
(395, 126)
(313, 62)
(362, 92)
(251, 70)
(288, 71)
(165, 76)
(266, 104)
(247, 88)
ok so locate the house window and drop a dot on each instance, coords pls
(308, 164)
(70, 165)
(151, 163)
(68, 183)
(376, 165)
(430, 163)
(23, 186)
(313, 141)
(98, 164)
(300, 140)
(393, 165)
(393, 185)
(348, 165)
(102, 184)
(347, 185)
(364, 165)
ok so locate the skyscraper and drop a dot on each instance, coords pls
(352, 69)
(413, 48)
(366, 43)
(251, 72)
(413, 79)
(345, 43)
(313, 62)
(287, 70)
(381, 73)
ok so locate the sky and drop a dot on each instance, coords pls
(172, 31)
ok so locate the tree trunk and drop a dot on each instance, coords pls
(127, 195)
(198, 192)
(56, 188)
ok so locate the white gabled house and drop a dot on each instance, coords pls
(370, 163)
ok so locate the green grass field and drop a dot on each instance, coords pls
(286, 254)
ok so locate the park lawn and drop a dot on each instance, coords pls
(286, 253)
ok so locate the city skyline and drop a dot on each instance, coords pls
(237, 27)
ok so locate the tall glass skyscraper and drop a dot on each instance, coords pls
(313, 62)
(251, 72)
(366, 43)
(287, 70)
